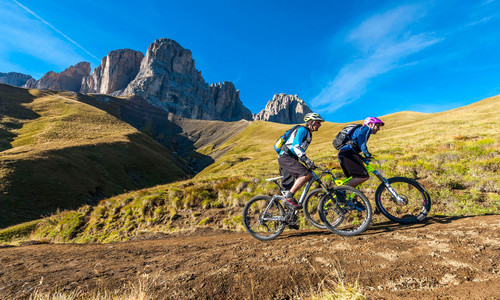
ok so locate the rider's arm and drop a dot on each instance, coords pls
(298, 147)
(362, 138)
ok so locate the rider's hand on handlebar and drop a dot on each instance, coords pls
(368, 157)
(309, 163)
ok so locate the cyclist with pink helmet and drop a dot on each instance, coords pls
(349, 155)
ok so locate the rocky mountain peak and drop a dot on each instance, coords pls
(68, 80)
(283, 108)
(169, 80)
(165, 77)
(167, 55)
(227, 102)
(15, 79)
(116, 71)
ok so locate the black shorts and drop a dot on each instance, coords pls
(352, 164)
(291, 169)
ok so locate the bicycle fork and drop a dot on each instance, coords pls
(395, 196)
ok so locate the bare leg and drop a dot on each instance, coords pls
(300, 182)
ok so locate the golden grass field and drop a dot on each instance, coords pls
(57, 152)
(454, 154)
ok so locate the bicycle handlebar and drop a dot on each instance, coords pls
(323, 171)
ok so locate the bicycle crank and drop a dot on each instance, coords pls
(291, 217)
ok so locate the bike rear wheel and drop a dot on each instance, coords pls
(346, 217)
(417, 202)
(311, 208)
(263, 218)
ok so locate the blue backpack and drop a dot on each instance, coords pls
(280, 143)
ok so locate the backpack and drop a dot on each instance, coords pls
(344, 136)
(280, 142)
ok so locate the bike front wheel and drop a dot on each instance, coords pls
(412, 207)
(346, 215)
(311, 207)
(263, 218)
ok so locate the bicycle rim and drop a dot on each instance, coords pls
(346, 218)
(311, 208)
(262, 223)
(417, 202)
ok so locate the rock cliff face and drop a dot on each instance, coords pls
(68, 80)
(169, 80)
(283, 108)
(166, 78)
(15, 79)
(228, 105)
(116, 71)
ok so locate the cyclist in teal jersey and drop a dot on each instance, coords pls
(296, 174)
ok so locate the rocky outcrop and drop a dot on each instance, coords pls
(283, 108)
(227, 102)
(30, 83)
(68, 80)
(15, 79)
(165, 77)
(169, 80)
(116, 71)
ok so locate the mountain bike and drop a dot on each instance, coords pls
(265, 218)
(400, 199)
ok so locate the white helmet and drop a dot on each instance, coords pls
(313, 117)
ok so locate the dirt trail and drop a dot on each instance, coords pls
(443, 258)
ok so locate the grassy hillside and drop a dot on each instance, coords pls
(60, 153)
(454, 154)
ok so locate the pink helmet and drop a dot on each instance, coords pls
(373, 120)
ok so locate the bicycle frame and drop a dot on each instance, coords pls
(315, 178)
(382, 179)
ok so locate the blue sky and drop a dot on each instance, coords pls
(346, 59)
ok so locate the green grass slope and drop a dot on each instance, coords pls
(59, 153)
(454, 154)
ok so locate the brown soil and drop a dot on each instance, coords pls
(443, 258)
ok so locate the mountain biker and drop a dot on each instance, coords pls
(349, 155)
(290, 167)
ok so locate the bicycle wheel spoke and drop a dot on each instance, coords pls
(311, 208)
(261, 220)
(412, 205)
(332, 213)
(343, 215)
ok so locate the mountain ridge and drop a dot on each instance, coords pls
(166, 77)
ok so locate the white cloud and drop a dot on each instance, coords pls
(379, 28)
(383, 41)
(483, 20)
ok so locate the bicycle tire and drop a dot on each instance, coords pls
(343, 217)
(311, 207)
(253, 220)
(418, 201)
